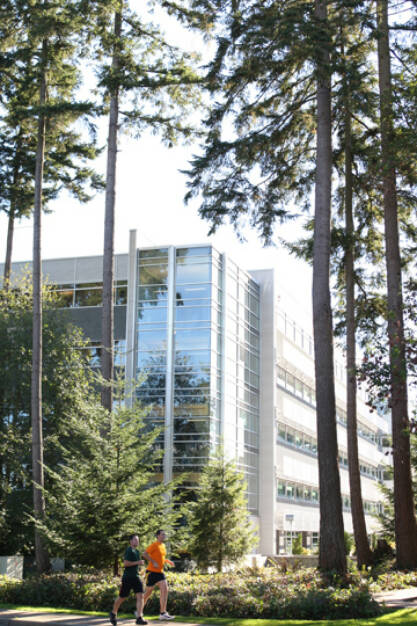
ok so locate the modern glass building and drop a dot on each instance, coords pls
(197, 350)
(218, 358)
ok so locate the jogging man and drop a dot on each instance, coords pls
(155, 554)
(130, 580)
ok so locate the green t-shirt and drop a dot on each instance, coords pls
(133, 570)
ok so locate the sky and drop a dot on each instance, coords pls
(149, 198)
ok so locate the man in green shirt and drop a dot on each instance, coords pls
(130, 580)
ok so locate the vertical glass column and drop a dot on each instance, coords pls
(169, 385)
(152, 334)
(192, 360)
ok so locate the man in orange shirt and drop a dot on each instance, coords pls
(155, 554)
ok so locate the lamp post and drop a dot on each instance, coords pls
(289, 517)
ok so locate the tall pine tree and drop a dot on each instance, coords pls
(149, 85)
(271, 77)
(49, 33)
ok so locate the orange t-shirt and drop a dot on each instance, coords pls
(157, 552)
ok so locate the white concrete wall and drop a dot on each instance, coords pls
(267, 489)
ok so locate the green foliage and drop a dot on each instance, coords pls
(258, 157)
(67, 151)
(257, 593)
(155, 80)
(66, 381)
(220, 532)
(297, 545)
(349, 542)
(105, 488)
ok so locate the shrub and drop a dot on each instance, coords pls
(297, 545)
(250, 593)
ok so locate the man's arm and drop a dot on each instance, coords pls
(150, 559)
(130, 563)
(170, 563)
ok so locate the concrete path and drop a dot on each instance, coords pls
(398, 598)
(39, 618)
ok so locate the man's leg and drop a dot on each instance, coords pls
(113, 612)
(148, 592)
(163, 598)
(117, 603)
(139, 609)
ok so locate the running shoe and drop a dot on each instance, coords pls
(113, 618)
(166, 616)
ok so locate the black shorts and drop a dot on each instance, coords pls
(151, 578)
(128, 584)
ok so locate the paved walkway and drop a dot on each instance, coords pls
(37, 618)
(398, 598)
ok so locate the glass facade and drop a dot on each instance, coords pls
(195, 414)
(198, 357)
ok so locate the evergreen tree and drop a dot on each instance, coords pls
(67, 380)
(271, 77)
(149, 85)
(352, 101)
(106, 488)
(67, 155)
(405, 520)
(331, 550)
(220, 532)
(48, 36)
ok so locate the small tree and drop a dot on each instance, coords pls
(220, 530)
(107, 488)
(297, 545)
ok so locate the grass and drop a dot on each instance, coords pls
(403, 617)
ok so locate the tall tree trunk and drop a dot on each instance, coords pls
(405, 522)
(9, 248)
(363, 551)
(108, 257)
(332, 551)
(42, 561)
(12, 214)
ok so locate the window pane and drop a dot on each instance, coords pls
(88, 297)
(191, 449)
(192, 339)
(193, 379)
(66, 298)
(121, 295)
(196, 360)
(193, 273)
(153, 275)
(153, 292)
(193, 252)
(146, 256)
(148, 312)
(193, 428)
(151, 360)
(153, 339)
(188, 313)
(187, 405)
(185, 292)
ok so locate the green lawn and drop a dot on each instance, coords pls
(403, 617)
